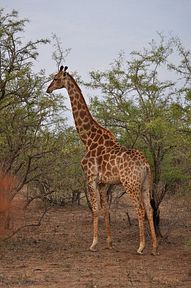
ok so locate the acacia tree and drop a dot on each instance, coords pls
(24, 106)
(181, 113)
(135, 101)
(66, 176)
(140, 101)
(29, 118)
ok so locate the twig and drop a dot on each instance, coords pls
(27, 226)
(129, 219)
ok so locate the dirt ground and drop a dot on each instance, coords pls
(56, 253)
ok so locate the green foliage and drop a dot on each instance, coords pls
(29, 118)
(141, 104)
(145, 110)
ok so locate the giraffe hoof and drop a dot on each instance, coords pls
(109, 247)
(93, 249)
(154, 252)
(140, 251)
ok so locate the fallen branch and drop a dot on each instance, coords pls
(27, 225)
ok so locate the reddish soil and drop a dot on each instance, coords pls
(56, 253)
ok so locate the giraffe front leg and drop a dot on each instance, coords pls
(108, 229)
(95, 214)
(95, 219)
(105, 207)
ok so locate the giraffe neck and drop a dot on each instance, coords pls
(86, 125)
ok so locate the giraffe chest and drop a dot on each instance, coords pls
(108, 169)
(104, 167)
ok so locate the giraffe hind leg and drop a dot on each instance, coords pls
(135, 194)
(141, 217)
(149, 213)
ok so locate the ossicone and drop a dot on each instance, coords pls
(62, 67)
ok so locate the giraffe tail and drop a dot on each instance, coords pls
(147, 193)
(147, 185)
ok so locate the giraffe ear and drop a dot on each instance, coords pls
(65, 68)
(61, 68)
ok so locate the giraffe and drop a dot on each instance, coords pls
(106, 162)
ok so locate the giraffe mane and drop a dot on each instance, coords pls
(108, 131)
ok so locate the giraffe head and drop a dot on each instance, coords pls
(59, 81)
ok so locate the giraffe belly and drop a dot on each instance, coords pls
(109, 178)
